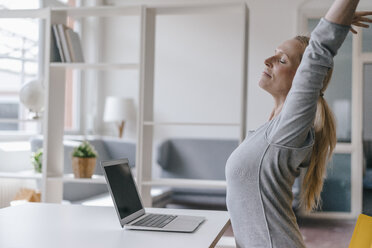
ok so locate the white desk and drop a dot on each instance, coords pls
(54, 225)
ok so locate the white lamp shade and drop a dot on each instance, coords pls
(118, 109)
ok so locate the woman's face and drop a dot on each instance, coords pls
(281, 68)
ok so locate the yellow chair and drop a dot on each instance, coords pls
(362, 235)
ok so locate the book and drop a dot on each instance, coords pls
(56, 52)
(63, 39)
(66, 45)
(74, 45)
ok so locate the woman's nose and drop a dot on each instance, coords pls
(268, 62)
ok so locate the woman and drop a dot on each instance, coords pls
(300, 134)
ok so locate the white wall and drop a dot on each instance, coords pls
(198, 68)
(197, 64)
(270, 23)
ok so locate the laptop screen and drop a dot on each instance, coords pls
(123, 189)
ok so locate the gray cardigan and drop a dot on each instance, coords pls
(260, 173)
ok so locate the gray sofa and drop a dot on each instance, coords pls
(196, 159)
(200, 159)
(107, 149)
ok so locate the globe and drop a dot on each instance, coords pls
(32, 96)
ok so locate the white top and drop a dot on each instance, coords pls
(54, 225)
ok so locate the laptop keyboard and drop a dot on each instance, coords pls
(155, 220)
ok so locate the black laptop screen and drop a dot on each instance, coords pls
(123, 189)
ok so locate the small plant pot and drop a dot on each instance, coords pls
(83, 167)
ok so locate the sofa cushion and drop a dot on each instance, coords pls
(117, 149)
(195, 158)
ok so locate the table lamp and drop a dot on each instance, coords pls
(119, 110)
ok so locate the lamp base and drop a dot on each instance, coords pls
(121, 128)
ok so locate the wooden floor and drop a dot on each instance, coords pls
(323, 233)
(327, 233)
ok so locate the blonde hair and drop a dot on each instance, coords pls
(325, 142)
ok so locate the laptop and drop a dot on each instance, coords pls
(129, 206)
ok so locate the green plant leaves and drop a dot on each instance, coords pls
(85, 150)
(37, 160)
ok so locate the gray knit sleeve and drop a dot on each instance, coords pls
(291, 127)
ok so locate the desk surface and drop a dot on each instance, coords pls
(55, 225)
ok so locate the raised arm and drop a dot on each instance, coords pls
(292, 125)
(342, 12)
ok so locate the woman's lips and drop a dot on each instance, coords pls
(266, 74)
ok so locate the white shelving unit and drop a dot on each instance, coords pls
(146, 121)
(52, 176)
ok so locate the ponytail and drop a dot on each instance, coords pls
(325, 142)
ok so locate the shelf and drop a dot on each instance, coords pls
(343, 147)
(150, 123)
(157, 194)
(135, 9)
(24, 13)
(21, 175)
(217, 7)
(99, 11)
(69, 178)
(19, 120)
(53, 130)
(97, 66)
(187, 183)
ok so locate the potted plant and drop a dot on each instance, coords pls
(37, 159)
(84, 160)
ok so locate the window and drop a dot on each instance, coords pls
(9, 110)
(348, 91)
(367, 40)
(336, 195)
(338, 94)
(20, 57)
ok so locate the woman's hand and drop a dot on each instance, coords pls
(360, 19)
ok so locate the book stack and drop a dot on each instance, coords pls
(66, 45)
